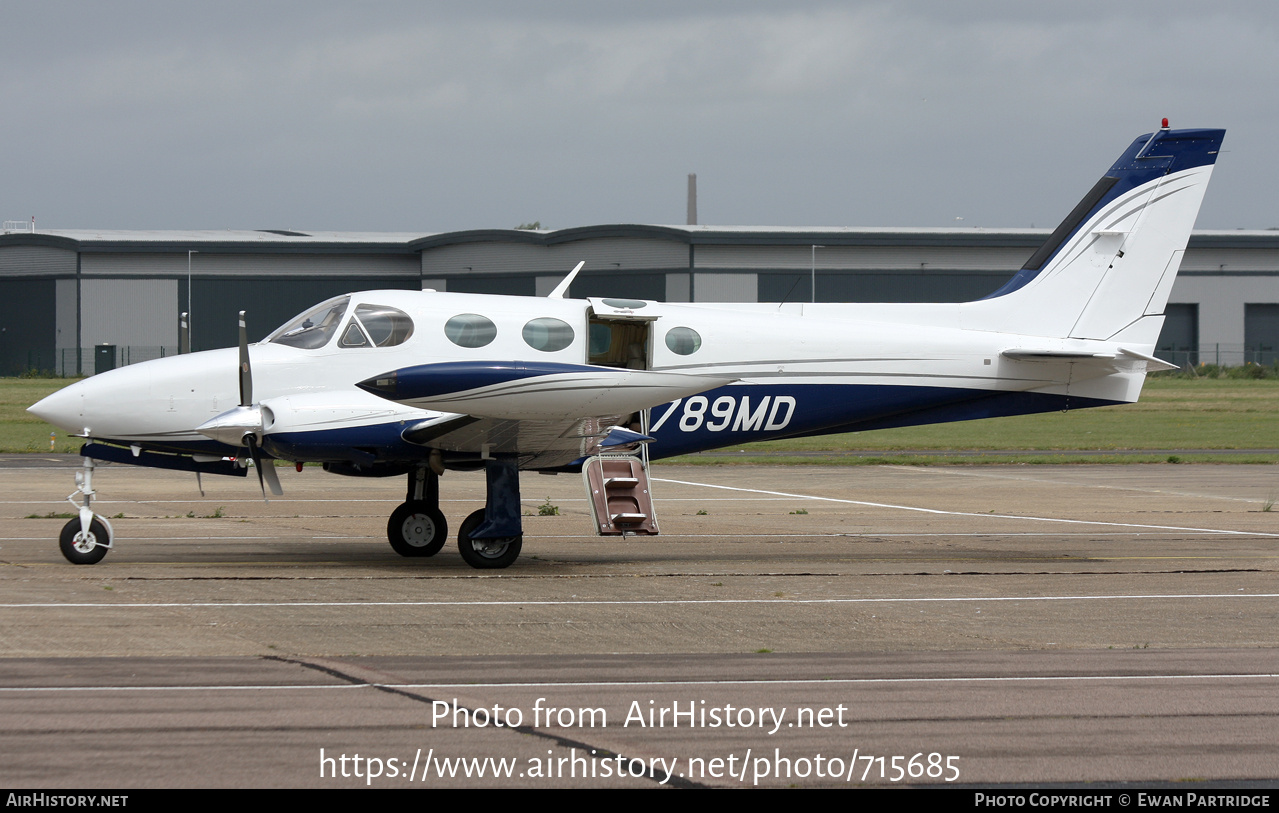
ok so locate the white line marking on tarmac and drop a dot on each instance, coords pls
(387, 500)
(969, 513)
(624, 602)
(642, 683)
(667, 536)
(1030, 478)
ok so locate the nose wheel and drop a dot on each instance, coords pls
(81, 547)
(87, 538)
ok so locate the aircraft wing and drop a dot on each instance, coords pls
(549, 414)
(532, 391)
(538, 444)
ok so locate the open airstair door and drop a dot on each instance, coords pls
(620, 498)
(617, 477)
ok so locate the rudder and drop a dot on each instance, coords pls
(1114, 258)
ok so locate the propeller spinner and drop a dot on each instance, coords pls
(245, 425)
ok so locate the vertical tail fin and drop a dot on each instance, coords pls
(1112, 261)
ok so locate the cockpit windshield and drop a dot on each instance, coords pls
(315, 327)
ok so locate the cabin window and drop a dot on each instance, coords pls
(547, 334)
(601, 339)
(353, 336)
(683, 341)
(385, 326)
(314, 328)
(470, 330)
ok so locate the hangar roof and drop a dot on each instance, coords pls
(268, 241)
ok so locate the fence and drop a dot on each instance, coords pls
(1222, 355)
(70, 361)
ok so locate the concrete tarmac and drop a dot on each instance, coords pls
(795, 625)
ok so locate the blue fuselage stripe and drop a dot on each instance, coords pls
(721, 417)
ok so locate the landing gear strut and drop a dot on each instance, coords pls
(492, 537)
(87, 538)
(417, 527)
(488, 539)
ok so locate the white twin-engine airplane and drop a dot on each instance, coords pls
(387, 383)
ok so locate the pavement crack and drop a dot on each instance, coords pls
(596, 752)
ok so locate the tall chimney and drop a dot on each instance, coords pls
(692, 199)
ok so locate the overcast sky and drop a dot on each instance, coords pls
(426, 117)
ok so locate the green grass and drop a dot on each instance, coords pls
(20, 431)
(1174, 413)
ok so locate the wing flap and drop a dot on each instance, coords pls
(539, 444)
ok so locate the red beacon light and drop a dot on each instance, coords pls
(1164, 126)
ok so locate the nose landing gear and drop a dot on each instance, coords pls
(87, 538)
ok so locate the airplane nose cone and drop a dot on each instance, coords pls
(64, 408)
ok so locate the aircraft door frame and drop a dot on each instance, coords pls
(626, 327)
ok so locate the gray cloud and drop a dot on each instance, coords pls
(413, 116)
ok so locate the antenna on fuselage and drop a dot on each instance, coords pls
(562, 288)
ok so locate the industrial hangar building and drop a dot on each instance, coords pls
(76, 301)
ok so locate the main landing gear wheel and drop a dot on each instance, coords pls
(82, 548)
(417, 529)
(486, 554)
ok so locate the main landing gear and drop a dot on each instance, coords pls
(490, 538)
(87, 538)
(417, 527)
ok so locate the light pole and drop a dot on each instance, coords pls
(814, 282)
(188, 314)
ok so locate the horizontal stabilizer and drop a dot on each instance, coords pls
(1122, 359)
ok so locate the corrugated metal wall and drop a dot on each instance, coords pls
(604, 254)
(353, 266)
(28, 261)
(960, 258)
(880, 286)
(142, 312)
(27, 326)
(67, 313)
(677, 287)
(1230, 260)
(725, 288)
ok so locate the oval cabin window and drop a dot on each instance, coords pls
(470, 330)
(547, 334)
(683, 341)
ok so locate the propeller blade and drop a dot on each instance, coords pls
(256, 457)
(272, 477)
(246, 374)
(266, 472)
